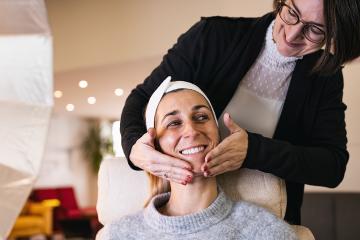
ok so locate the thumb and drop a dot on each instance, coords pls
(152, 133)
(230, 124)
(149, 137)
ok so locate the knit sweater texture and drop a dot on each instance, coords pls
(223, 219)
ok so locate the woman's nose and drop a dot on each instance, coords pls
(294, 32)
(190, 130)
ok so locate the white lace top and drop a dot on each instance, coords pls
(256, 106)
(258, 100)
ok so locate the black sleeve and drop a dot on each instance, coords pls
(322, 159)
(180, 62)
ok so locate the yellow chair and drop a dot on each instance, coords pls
(35, 218)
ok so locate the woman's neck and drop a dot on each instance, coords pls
(190, 198)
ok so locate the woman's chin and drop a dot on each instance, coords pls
(196, 159)
(197, 167)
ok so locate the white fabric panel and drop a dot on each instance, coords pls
(23, 17)
(25, 69)
(23, 131)
(25, 101)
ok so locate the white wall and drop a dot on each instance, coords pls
(63, 163)
(98, 32)
(351, 182)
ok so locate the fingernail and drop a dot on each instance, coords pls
(184, 183)
(189, 179)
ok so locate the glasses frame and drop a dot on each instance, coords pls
(306, 25)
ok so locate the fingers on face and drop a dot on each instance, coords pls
(175, 162)
(179, 177)
(217, 151)
(224, 148)
(171, 173)
(217, 158)
(225, 166)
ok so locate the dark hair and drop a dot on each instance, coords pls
(342, 41)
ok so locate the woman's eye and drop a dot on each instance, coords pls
(201, 117)
(173, 124)
(316, 30)
(292, 13)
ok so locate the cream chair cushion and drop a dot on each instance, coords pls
(121, 191)
(263, 189)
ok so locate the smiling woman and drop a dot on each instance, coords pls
(186, 128)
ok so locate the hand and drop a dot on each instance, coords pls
(145, 156)
(230, 154)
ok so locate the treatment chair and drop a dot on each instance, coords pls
(122, 191)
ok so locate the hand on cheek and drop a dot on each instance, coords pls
(229, 155)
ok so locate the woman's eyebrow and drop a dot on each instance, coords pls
(170, 114)
(297, 9)
(197, 107)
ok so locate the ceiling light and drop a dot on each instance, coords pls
(91, 100)
(119, 92)
(58, 94)
(83, 84)
(70, 107)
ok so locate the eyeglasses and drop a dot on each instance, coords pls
(312, 32)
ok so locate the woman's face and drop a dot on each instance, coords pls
(185, 127)
(289, 39)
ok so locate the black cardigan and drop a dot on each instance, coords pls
(309, 143)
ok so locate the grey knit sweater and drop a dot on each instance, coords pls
(223, 219)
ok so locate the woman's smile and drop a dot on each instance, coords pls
(193, 150)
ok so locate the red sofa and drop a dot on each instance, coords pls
(69, 210)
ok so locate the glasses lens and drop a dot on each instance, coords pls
(288, 15)
(314, 34)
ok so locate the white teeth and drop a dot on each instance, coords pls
(193, 150)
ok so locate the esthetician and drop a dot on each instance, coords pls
(280, 79)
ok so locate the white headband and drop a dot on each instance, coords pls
(165, 87)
